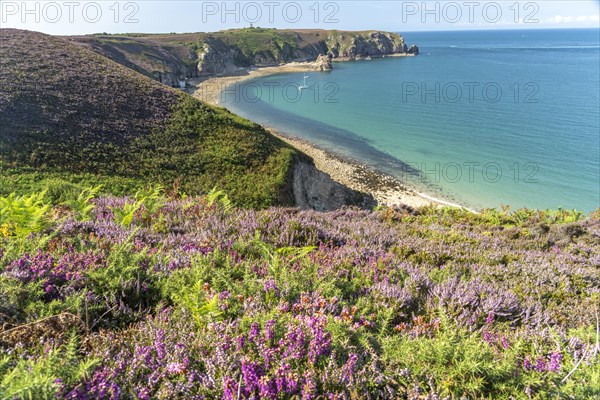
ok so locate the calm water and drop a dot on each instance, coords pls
(480, 118)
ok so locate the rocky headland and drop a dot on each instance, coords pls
(174, 58)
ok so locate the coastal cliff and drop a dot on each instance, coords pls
(229, 53)
(173, 58)
(314, 189)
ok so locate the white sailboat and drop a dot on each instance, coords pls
(304, 85)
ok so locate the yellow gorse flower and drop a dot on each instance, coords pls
(5, 230)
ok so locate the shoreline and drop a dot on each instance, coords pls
(387, 190)
(209, 88)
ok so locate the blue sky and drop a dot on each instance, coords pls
(82, 17)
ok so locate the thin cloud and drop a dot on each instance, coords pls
(568, 19)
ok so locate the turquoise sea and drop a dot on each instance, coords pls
(480, 118)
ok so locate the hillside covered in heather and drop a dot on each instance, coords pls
(68, 113)
(168, 297)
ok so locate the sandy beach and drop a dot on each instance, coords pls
(209, 89)
(386, 189)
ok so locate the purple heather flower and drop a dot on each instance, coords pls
(224, 295)
(230, 388)
(319, 345)
(268, 388)
(541, 365)
(252, 372)
(527, 365)
(254, 332)
(270, 286)
(175, 368)
(490, 318)
(240, 342)
(269, 330)
(555, 362)
(53, 273)
(159, 345)
(348, 370)
(309, 387)
(294, 342)
(144, 394)
(488, 337)
(283, 307)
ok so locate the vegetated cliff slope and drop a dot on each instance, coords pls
(69, 111)
(171, 57)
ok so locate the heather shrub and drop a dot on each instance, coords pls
(125, 287)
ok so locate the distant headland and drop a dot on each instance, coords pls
(173, 58)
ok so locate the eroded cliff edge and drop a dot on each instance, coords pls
(310, 188)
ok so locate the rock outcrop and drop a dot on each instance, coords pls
(413, 50)
(376, 44)
(217, 58)
(314, 189)
(323, 63)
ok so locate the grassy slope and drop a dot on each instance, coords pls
(68, 113)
